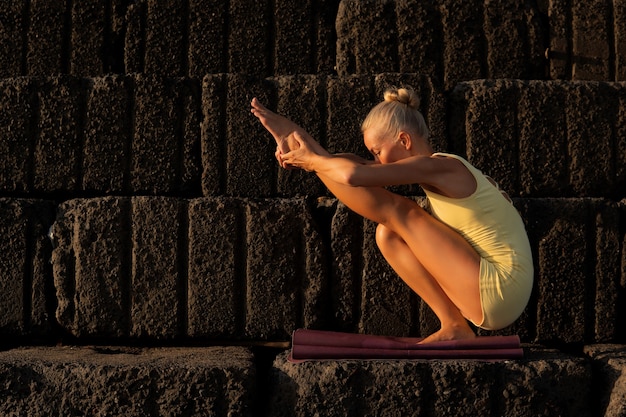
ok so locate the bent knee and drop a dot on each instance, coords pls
(386, 238)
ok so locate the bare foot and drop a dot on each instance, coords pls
(455, 332)
(280, 127)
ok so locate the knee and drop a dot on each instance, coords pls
(386, 238)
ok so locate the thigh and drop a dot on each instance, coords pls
(445, 254)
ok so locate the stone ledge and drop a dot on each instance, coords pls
(609, 368)
(127, 381)
(544, 383)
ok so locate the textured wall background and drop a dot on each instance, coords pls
(140, 203)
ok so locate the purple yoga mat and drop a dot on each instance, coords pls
(325, 345)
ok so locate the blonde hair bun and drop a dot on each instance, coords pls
(404, 96)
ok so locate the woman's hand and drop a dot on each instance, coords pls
(302, 157)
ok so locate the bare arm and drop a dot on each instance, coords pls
(446, 176)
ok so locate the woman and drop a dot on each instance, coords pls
(468, 258)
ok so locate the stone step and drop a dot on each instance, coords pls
(189, 137)
(123, 381)
(545, 383)
(167, 269)
(234, 381)
(456, 41)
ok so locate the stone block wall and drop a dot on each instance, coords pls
(141, 205)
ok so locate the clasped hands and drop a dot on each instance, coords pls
(300, 158)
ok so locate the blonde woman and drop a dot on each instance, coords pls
(468, 258)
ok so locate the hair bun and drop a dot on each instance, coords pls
(404, 96)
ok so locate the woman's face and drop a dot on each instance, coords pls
(385, 149)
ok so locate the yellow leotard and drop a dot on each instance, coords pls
(494, 228)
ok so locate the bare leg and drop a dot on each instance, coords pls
(442, 267)
(405, 264)
(281, 128)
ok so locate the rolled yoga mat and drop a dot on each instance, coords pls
(326, 345)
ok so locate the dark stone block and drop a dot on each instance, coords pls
(559, 233)
(591, 47)
(59, 142)
(17, 133)
(463, 44)
(367, 38)
(216, 284)
(349, 101)
(128, 381)
(346, 271)
(91, 264)
(543, 140)
(509, 53)
(491, 129)
(250, 26)
(294, 46)
(387, 304)
(87, 37)
(11, 38)
(47, 47)
(544, 383)
(284, 284)
(326, 40)
(166, 50)
(208, 37)
(106, 159)
(420, 38)
(609, 368)
(26, 298)
(213, 132)
(619, 31)
(559, 53)
(134, 40)
(591, 114)
(159, 281)
(607, 271)
(166, 142)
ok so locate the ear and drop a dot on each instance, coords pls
(405, 139)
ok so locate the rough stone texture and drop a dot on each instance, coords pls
(160, 268)
(87, 37)
(544, 383)
(91, 266)
(46, 39)
(27, 292)
(249, 39)
(216, 289)
(590, 117)
(285, 279)
(108, 136)
(17, 115)
(159, 271)
(543, 159)
(165, 38)
(166, 135)
(609, 370)
(590, 40)
(349, 100)
(213, 131)
(555, 159)
(11, 38)
(127, 381)
(59, 138)
(367, 51)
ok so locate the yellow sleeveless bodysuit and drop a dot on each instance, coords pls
(494, 228)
